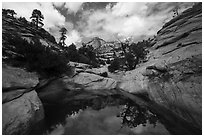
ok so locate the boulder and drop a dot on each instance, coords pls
(16, 81)
(21, 109)
(92, 81)
(79, 65)
(19, 116)
(102, 71)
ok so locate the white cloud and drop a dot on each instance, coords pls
(58, 4)
(129, 8)
(55, 31)
(73, 7)
(123, 19)
(73, 37)
(137, 20)
(53, 20)
(52, 17)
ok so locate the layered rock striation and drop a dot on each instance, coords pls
(172, 77)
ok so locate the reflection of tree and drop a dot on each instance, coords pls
(134, 115)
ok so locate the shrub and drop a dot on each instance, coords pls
(115, 65)
(139, 50)
(38, 58)
(104, 74)
(131, 61)
(71, 53)
(88, 52)
(108, 61)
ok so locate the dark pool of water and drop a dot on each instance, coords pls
(110, 120)
(101, 115)
(111, 115)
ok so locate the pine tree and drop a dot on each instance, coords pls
(63, 31)
(8, 12)
(37, 18)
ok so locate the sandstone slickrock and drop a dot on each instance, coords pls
(92, 81)
(61, 90)
(178, 49)
(16, 81)
(172, 76)
(21, 115)
(17, 77)
(13, 27)
(79, 65)
(98, 71)
(21, 107)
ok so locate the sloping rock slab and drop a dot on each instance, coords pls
(92, 81)
(21, 115)
(17, 77)
(61, 90)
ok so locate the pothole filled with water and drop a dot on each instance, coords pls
(112, 115)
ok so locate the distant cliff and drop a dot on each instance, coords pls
(106, 50)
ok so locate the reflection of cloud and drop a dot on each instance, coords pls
(95, 122)
(104, 122)
(149, 129)
(58, 130)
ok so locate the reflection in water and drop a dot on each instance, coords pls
(104, 121)
(107, 115)
(134, 115)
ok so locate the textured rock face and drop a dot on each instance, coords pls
(16, 29)
(20, 115)
(16, 81)
(79, 65)
(173, 75)
(13, 77)
(21, 107)
(62, 90)
(106, 50)
(92, 81)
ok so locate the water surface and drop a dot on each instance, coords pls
(106, 116)
(109, 120)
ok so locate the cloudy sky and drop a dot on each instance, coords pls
(106, 20)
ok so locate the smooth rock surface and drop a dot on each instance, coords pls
(92, 81)
(17, 77)
(22, 114)
(61, 90)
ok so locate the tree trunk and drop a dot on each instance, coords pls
(37, 20)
